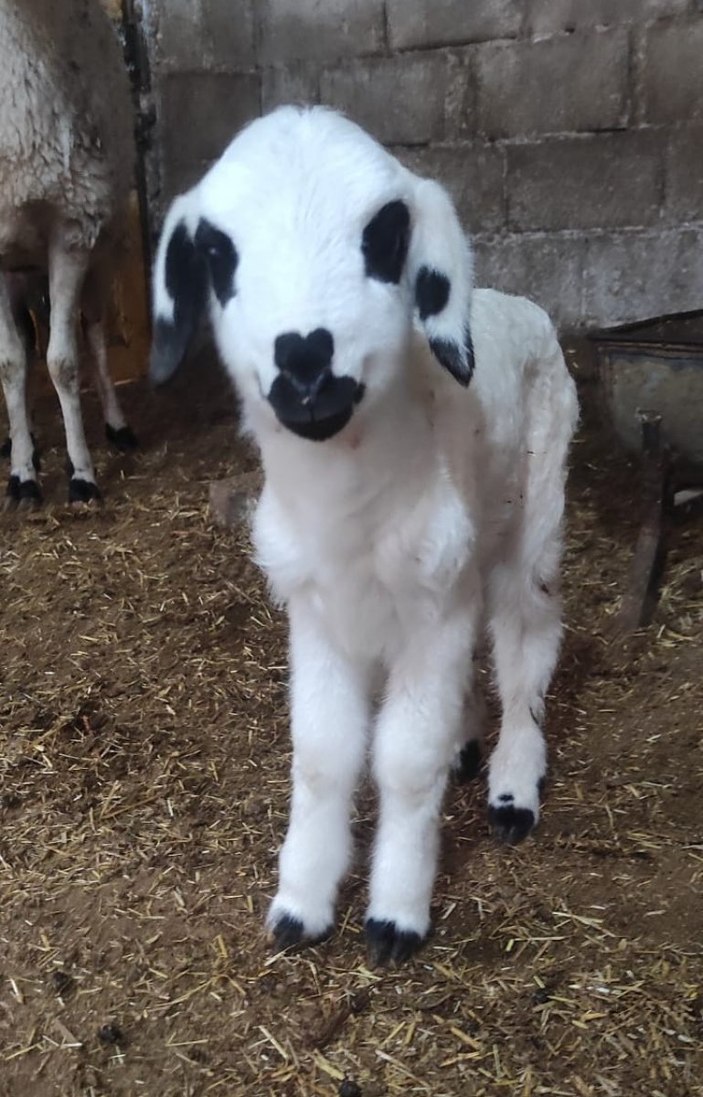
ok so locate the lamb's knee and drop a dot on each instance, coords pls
(64, 372)
(320, 774)
(413, 776)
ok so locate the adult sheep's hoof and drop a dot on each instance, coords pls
(289, 933)
(83, 491)
(385, 943)
(509, 824)
(25, 494)
(122, 438)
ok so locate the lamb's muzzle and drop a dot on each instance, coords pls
(307, 397)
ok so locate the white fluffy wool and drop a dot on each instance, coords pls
(432, 515)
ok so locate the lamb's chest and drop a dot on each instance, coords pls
(371, 583)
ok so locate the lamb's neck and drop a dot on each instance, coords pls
(389, 446)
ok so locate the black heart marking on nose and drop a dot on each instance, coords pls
(305, 360)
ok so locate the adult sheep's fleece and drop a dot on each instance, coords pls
(66, 168)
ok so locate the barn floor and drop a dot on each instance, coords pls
(144, 788)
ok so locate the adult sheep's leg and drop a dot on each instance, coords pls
(22, 486)
(526, 628)
(67, 269)
(418, 733)
(329, 720)
(94, 309)
(23, 298)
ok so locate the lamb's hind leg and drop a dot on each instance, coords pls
(467, 763)
(22, 487)
(526, 629)
(67, 270)
(95, 296)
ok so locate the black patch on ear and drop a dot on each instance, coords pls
(168, 347)
(448, 354)
(431, 292)
(220, 256)
(185, 272)
(385, 242)
(186, 279)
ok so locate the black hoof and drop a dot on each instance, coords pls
(510, 824)
(83, 491)
(289, 933)
(22, 493)
(385, 943)
(123, 438)
(467, 765)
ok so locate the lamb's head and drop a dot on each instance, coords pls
(319, 254)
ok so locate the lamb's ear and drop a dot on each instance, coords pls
(441, 267)
(180, 288)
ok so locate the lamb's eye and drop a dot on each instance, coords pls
(385, 242)
(221, 257)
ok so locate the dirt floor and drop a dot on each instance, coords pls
(144, 790)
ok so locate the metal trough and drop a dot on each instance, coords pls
(651, 382)
(657, 367)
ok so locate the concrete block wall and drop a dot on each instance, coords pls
(570, 132)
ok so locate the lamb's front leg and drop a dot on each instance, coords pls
(417, 737)
(329, 720)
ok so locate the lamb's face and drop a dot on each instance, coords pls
(311, 239)
(311, 305)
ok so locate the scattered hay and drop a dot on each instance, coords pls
(144, 792)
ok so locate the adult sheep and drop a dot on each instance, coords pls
(66, 164)
(405, 505)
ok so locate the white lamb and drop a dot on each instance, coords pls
(66, 161)
(405, 506)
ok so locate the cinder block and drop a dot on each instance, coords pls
(596, 181)
(232, 501)
(632, 276)
(474, 176)
(179, 43)
(205, 35)
(672, 76)
(684, 175)
(413, 23)
(564, 84)
(401, 100)
(320, 29)
(228, 27)
(547, 268)
(200, 113)
(555, 16)
(296, 82)
(461, 115)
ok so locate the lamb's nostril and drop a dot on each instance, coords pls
(287, 350)
(320, 345)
